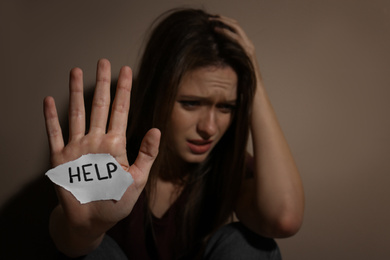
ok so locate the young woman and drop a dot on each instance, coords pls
(200, 86)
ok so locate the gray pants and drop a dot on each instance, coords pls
(233, 241)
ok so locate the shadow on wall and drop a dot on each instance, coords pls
(24, 219)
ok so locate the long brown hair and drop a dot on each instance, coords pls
(183, 40)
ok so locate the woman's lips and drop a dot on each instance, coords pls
(199, 146)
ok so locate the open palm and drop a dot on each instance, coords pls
(99, 216)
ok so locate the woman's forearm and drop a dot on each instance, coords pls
(279, 195)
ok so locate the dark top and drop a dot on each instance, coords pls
(131, 236)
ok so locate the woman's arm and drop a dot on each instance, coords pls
(77, 228)
(272, 202)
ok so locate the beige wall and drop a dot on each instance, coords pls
(326, 65)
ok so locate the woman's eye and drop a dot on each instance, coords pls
(226, 108)
(189, 104)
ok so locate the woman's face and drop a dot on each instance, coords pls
(202, 112)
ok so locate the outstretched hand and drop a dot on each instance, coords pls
(97, 217)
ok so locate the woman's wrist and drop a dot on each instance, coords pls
(71, 239)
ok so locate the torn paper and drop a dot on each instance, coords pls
(92, 177)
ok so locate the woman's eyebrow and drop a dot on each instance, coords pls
(231, 102)
(200, 98)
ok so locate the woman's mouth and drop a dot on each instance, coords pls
(199, 146)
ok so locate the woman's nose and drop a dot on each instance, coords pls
(207, 126)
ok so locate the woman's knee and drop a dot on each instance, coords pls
(108, 249)
(235, 241)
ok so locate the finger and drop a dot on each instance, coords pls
(227, 21)
(233, 24)
(146, 156)
(238, 34)
(232, 35)
(76, 105)
(101, 98)
(121, 105)
(53, 128)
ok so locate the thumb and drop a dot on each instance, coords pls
(146, 155)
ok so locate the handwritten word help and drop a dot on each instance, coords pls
(92, 177)
(111, 167)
